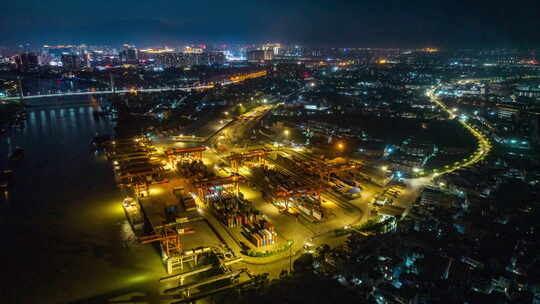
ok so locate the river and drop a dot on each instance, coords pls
(66, 238)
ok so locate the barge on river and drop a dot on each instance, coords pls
(134, 214)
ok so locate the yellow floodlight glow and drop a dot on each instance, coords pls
(156, 191)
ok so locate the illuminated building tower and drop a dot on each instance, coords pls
(26, 61)
(44, 58)
(507, 112)
(273, 47)
(129, 54)
(211, 58)
(193, 50)
(87, 59)
(71, 62)
(259, 55)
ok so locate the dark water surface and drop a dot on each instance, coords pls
(66, 238)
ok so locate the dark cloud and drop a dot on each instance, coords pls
(320, 22)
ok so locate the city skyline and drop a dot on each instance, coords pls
(315, 23)
(378, 152)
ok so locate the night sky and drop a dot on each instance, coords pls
(381, 23)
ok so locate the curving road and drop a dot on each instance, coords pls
(484, 145)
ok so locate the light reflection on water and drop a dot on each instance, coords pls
(63, 216)
(128, 237)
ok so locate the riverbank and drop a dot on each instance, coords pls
(67, 235)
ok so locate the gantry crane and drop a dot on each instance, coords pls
(202, 186)
(236, 158)
(195, 152)
(325, 172)
(286, 195)
(137, 178)
(169, 238)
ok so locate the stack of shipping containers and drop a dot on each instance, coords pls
(235, 212)
(260, 233)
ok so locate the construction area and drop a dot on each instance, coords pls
(218, 217)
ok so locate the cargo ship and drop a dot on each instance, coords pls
(134, 215)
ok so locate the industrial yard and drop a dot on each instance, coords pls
(217, 210)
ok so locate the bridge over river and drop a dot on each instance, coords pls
(105, 92)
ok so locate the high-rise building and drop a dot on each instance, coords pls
(176, 60)
(211, 58)
(295, 50)
(195, 50)
(506, 111)
(87, 58)
(26, 62)
(129, 54)
(259, 55)
(173, 59)
(155, 55)
(71, 62)
(44, 58)
(274, 47)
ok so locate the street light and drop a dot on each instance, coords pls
(286, 132)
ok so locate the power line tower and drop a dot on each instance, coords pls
(19, 81)
(112, 81)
